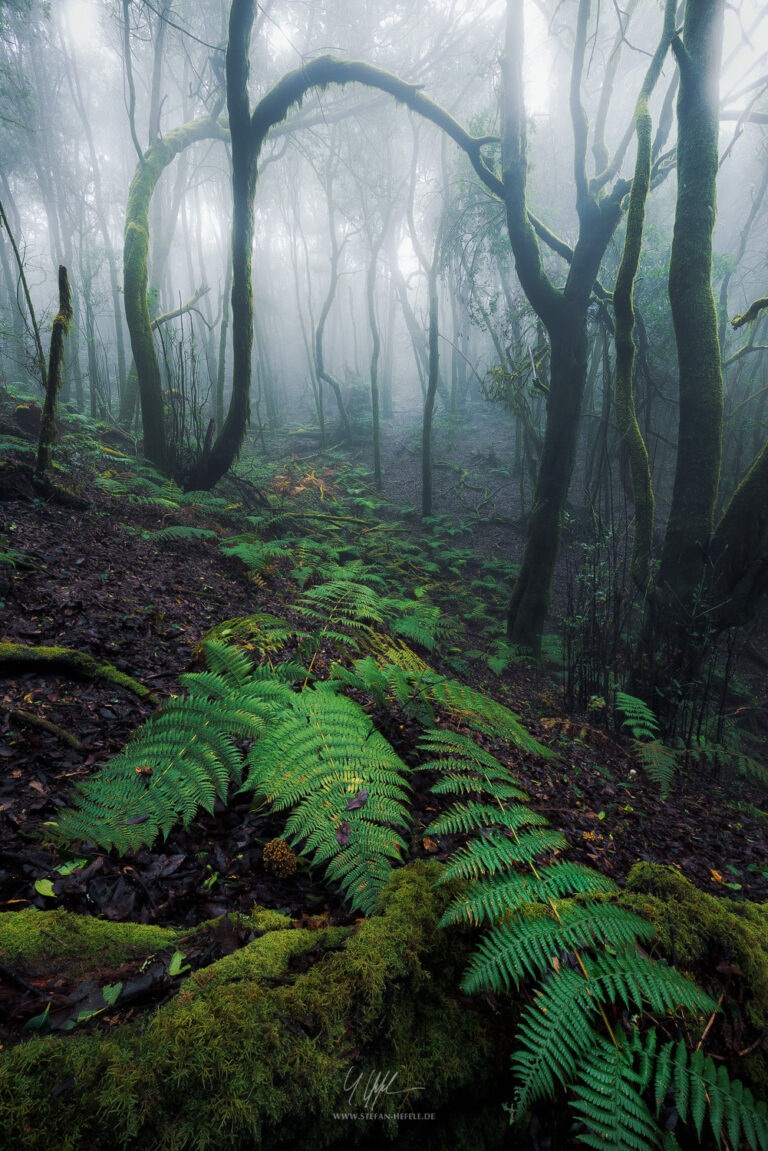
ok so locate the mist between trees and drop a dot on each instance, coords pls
(355, 215)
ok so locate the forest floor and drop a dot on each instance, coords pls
(98, 580)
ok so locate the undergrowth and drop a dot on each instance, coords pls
(618, 1033)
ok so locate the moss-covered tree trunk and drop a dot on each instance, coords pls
(626, 417)
(690, 523)
(136, 249)
(62, 320)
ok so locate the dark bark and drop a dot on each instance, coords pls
(62, 320)
(429, 402)
(690, 523)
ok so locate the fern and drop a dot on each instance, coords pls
(556, 1032)
(526, 948)
(614, 1077)
(496, 853)
(255, 553)
(181, 532)
(260, 632)
(347, 787)
(701, 1087)
(425, 689)
(638, 717)
(495, 897)
(609, 1102)
(344, 601)
(180, 760)
(658, 762)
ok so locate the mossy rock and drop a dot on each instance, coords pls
(698, 931)
(262, 1048)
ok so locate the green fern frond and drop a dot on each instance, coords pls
(183, 758)
(256, 554)
(472, 816)
(638, 717)
(657, 761)
(609, 1102)
(495, 854)
(510, 953)
(385, 683)
(264, 632)
(355, 604)
(485, 715)
(346, 785)
(703, 1088)
(555, 1033)
(495, 897)
(181, 532)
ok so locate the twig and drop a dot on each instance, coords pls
(711, 1021)
(44, 724)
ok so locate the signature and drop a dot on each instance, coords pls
(376, 1085)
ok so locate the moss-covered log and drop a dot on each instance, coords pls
(263, 1049)
(43, 660)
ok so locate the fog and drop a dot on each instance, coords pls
(87, 86)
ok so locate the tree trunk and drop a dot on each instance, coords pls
(62, 320)
(686, 541)
(533, 588)
(429, 403)
(149, 170)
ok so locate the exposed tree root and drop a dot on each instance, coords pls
(30, 720)
(53, 659)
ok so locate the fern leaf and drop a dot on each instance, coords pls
(485, 715)
(348, 789)
(183, 758)
(495, 897)
(472, 816)
(494, 854)
(609, 1104)
(638, 717)
(657, 761)
(569, 1001)
(527, 947)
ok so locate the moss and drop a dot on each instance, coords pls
(75, 945)
(42, 659)
(698, 930)
(251, 1054)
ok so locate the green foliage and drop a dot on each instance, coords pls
(638, 717)
(181, 532)
(356, 605)
(551, 921)
(180, 760)
(609, 1103)
(658, 762)
(255, 553)
(322, 757)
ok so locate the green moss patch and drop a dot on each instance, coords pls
(714, 939)
(263, 1048)
(74, 946)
